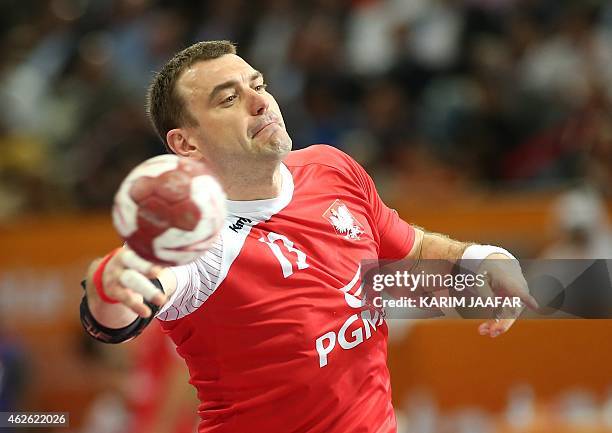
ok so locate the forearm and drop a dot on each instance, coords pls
(430, 245)
(504, 274)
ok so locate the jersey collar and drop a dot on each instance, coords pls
(264, 209)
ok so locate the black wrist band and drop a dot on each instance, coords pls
(113, 335)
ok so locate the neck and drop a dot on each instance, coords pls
(260, 184)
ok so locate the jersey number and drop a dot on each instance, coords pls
(285, 263)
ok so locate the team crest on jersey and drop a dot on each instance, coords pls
(341, 219)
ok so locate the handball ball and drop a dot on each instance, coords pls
(169, 209)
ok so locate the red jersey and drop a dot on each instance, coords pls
(270, 321)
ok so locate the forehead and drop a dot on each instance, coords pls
(200, 78)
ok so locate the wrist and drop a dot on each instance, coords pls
(98, 279)
(475, 254)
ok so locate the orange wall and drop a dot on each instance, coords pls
(462, 368)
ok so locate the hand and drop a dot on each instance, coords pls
(505, 279)
(126, 278)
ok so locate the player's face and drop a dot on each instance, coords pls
(236, 116)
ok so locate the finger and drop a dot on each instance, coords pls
(525, 297)
(131, 300)
(515, 289)
(495, 327)
(521, 292)
(131, 260)
(500, 326)
(111, 274)
(137, 282)
(483, 329)
(530, 302)
(134, 302)
(490, 328)
(509, 312)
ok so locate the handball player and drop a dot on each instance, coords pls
(268, 320)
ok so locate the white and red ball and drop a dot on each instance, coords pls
(169, 209)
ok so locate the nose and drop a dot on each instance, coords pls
(258, 103)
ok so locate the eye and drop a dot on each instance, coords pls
(261, 87)
(230, 99)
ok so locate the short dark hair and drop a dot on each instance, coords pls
(165, 107)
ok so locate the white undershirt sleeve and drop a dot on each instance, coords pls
(195, 282)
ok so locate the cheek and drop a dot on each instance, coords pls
(225, 124)
(227, 133)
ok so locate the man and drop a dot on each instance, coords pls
(269, 321)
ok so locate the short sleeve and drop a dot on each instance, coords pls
(396, 236)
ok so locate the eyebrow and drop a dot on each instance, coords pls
(231, 83)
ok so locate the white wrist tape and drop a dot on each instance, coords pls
(474, 255)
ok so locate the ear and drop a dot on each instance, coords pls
(180, 142)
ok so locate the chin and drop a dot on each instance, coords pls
(278, 146)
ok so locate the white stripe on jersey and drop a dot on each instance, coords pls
(198, 280)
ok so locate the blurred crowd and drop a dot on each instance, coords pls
(437, 96)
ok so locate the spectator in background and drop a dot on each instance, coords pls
(142, 39)
(272, 39)
(581, 227)
(493, 89)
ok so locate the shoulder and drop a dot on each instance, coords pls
(320, 154)
(324, 163)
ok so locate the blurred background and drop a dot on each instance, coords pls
(488, 120)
